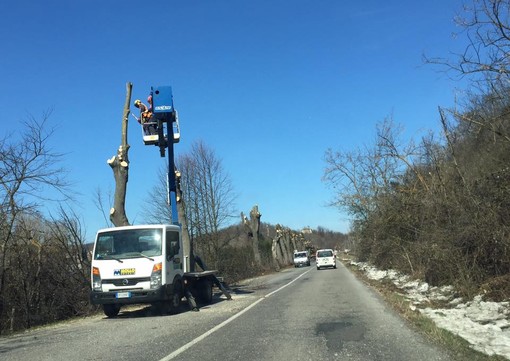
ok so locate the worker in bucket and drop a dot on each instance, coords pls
(145, 117)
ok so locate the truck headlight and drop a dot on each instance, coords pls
(156, 275)
(96, 279)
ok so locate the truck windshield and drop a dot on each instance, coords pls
(130, 243)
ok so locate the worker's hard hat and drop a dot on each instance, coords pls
(137, 101)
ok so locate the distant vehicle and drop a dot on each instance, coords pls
(301, 258)
(325, 258)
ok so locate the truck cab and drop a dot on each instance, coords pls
(137, 264)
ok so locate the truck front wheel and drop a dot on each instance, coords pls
(111, 310)
(175, 300)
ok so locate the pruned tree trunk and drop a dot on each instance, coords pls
(120, 167)
(253, 225)
(285, 243)
(293, 242)
(278, 253)
(282, 237)
(181, 209)
(275, 247)
(287, 247)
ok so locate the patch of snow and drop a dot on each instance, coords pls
(485, 325)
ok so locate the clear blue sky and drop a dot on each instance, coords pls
(269, 85)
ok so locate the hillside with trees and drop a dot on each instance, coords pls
(437, 208)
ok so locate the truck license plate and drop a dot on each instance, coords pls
(123, 294)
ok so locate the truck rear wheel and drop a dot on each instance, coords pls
(111, 310)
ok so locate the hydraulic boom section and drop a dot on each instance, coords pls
(165, 115)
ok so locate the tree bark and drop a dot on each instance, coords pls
(120, 166)
(283, 240)
(275, 248)
(278, 252)
(287, 247)
(186, 240)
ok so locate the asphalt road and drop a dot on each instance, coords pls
(296, 314)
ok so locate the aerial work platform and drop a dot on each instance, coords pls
(161, 110)
(151, 137)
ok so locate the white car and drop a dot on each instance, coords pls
(325, 258)
(301, 259)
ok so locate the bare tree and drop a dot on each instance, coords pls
(158, 210)
(120, 166)
(205, 198)
(67, 235)
(29, 175)
(359, 177)
(388, 135)
(99, 201)
(486, 24)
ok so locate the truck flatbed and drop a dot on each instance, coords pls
(200, 274)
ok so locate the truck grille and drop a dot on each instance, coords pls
(126, 282)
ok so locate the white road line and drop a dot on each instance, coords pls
(226, 322)
(285, 285)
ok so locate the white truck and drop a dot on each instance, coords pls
(301, 258)
(150, 263)
(146, 264)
